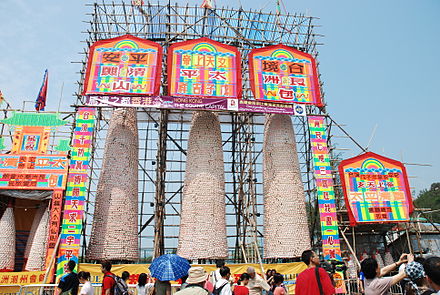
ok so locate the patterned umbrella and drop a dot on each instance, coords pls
(169, 267)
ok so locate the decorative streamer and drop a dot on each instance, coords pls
(324, 186)
(77, 181)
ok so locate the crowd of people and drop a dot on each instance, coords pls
(418, 276)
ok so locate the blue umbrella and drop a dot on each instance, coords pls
(169, 267)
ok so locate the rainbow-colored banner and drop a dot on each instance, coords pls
(76, 187)
(324, 184)
(376, 189)
(125, 65)
(283, 74)
(204, 68)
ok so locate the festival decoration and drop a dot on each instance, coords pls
(116, 200)
(36, 246)
(283, 74)
(28, 165)
(285, 218)
(124, 65)
(376, 189)
(202, 232)
(76, 187)
(7, 240)
(204, 68)
(324, 185)
(197, 103)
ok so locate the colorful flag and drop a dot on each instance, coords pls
(206, 4)
(1, 98)
(40, 103)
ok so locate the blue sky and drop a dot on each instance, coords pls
(379, 65)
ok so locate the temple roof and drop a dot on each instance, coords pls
(34, 119)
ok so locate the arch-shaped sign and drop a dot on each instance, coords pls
(376, 189)
(125, 65)
(204, 68)
(283, 74)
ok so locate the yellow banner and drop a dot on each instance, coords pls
(22, 278)
(288, 270)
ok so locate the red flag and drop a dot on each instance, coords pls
(40, 103)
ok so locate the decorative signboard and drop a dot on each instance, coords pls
(283, 74)
(42, 172)
(125, 65)
(28, 165)
(324, 186)
(76, 187)
(204, 68)
(376, 189)
(197, 103)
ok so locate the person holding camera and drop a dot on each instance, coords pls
(314, 280)
(375, 283)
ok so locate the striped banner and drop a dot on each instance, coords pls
(77, 179)
(324, 184)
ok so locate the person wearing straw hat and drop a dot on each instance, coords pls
(197, 277)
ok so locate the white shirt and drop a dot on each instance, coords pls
(215, 276)
(226, 290)
(87, 289)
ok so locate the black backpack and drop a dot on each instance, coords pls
(120, 287)
(217, 291)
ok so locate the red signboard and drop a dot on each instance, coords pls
(125, 65)
(283, 74)
(204, 68)
(376, 189)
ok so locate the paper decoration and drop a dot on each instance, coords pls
(376, 189)
(204, 68)
(28, 165)
(76, 187)
(125, 65)
(283, 74)
(324, 186)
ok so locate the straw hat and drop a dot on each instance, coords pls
(196, 275)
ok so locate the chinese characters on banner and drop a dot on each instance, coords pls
(43, 172)
(283, 74)
(54, 224)
(76, 187)
(204, 68)
(376, 189)
(125, 65)
(324, 185)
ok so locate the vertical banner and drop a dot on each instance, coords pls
(283, 74)
(324, 184)
(76, 187)
(204, 68)
(54, 224)
(376, 189)
(125, 65)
